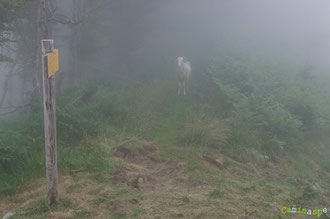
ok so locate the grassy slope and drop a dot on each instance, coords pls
(188, 187)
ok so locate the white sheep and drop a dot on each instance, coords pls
(184, 72)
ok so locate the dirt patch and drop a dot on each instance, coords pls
(143, 152)
(143, 167)
(145, 186)
(116, 205)
(156, 185)
(141, 180)
(119, 176)
(216, 161)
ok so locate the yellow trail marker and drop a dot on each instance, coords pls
(53, 65)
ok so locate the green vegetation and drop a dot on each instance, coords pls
(104, 197)
(202, 131)
(185, 199)
(272, 107)
(21, 142)
(83, 214)
(41, 208)
(269, 124)
(216, 194)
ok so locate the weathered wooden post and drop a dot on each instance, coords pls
(49, 67)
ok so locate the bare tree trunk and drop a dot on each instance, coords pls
(37, 55)
(50, 126)
(74, 56)
(77, 15)
(5, 87)
(4, 93)
(49, 104)
(42, 33)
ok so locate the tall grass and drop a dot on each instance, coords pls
(83, 114)
(202, 130)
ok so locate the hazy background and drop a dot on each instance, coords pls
(138, 36)
(139, 40)
(252, 131)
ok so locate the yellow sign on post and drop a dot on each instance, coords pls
(53, 65)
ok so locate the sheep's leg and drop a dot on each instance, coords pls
(184, 87)
(179, 88)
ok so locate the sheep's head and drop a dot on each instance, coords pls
(181, 59)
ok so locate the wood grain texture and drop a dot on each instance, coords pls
(49, 126)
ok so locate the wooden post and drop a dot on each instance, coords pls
(49, 125)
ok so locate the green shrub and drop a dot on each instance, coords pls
(85, 111)
(270, 108)
(13, 149)
(20, 159)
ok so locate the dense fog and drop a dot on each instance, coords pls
(134, 35)
(142, 38)
(165, 109)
